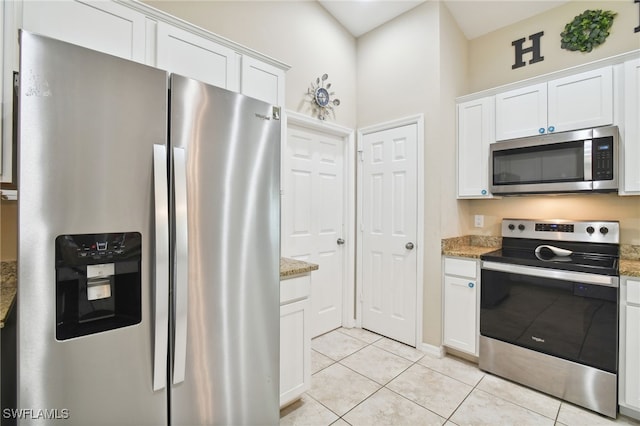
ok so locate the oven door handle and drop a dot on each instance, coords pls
(580, 277)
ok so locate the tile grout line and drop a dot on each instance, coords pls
(384, 386)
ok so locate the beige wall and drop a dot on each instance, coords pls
(8, 230)
(491, 56)
(300, 33)
(585, 207)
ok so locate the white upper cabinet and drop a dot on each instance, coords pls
(521, 112)
(476, 132)
(575, 102)
(185, 53)
(262, 81)
(99, 25)
(630, 146)
(581, 101)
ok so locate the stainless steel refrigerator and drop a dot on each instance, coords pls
(149, 244)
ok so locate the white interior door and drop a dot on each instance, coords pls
(313, 217)
(389, 232)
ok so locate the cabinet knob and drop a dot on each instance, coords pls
(541, 130)
(551, 129)
(471, 285)
(483, 192)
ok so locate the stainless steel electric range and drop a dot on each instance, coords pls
(549, 309)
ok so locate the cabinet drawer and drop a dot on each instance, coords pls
(296, 288)
(633, 292)
(460, 267)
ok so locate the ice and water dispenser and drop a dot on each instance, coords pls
(98, 283)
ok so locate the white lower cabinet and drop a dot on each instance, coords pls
(629, 370)
(461, 299)
(295, 338)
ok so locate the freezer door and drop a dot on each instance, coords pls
(229, 373)
(88, 125)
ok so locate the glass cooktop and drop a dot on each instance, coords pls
(590, 258)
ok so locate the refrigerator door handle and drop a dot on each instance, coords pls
(181, 264)
(160, 184)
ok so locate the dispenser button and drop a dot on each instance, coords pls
(98, 288)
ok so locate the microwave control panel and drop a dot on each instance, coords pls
(603, 159)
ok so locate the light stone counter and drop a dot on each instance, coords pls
(471, 246)
(292, 267)
(7, 289)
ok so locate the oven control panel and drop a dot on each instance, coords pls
(563, 230)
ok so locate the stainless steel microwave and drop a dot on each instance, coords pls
(577, 161)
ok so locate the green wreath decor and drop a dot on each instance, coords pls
(587, 30)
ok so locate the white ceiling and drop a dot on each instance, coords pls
(474, 17)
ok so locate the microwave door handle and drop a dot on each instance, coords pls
(161, 207)
(181, 265)
(588, 160)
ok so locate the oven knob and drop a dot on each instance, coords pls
(521, 227)
(512, 226)
(604, 230)
(590, 230)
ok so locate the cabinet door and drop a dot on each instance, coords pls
(99, 25)
(460, 308)
(521, 112)
(476, 124)
(630, 146)
(632, 355)
(262, 81)
(295, 350)
(581, 101)
(188, 54)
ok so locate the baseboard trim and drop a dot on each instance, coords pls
(629, 412)
(436, 351)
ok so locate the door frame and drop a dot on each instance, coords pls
(349, 150)
(418, 120)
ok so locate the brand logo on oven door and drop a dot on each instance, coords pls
(537, 339)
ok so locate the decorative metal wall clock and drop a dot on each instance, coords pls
(587, 30)
(321, 97)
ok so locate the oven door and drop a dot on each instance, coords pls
(570, 315)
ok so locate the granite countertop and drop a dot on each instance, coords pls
(292, 267)
(630, 268)
(8, 289)
(474, 246)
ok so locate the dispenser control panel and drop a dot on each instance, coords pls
(86, 249)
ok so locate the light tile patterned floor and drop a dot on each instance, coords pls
(361, 378)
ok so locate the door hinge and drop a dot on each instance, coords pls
(361, 155)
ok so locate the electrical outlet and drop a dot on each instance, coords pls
(478, 220)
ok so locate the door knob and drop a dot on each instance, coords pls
(340, 241)
(409, 246)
